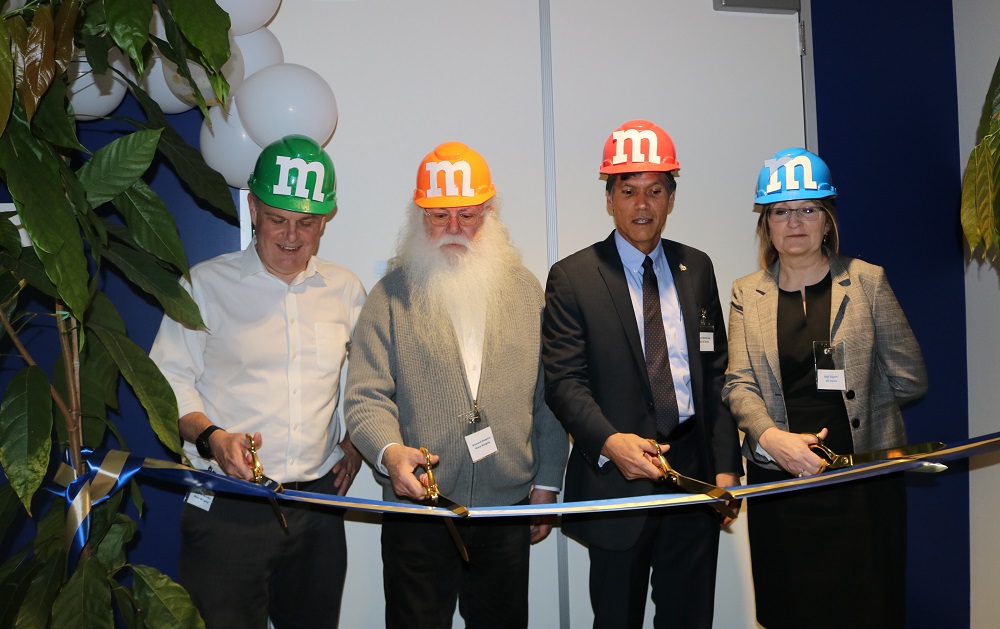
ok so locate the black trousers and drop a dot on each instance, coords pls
(240, 568)
(424, 575)
(681, 547)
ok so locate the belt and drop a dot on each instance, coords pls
(301, 485)
(682, 430)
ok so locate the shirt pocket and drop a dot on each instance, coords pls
(331, 345)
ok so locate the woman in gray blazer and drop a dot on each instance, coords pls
(818, 345)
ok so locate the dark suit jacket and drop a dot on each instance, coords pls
(596, 381)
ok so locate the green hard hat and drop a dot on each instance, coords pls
(295, 173)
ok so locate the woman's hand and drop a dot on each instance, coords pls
(791, 451)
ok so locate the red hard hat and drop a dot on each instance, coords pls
(638, 146)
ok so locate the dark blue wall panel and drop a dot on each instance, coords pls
(888, 126)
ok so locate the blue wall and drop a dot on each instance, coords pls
(888, 126)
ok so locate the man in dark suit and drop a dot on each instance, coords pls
(634, 348)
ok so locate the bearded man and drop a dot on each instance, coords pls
(446, 355)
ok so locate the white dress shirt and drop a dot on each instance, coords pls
(270, 359)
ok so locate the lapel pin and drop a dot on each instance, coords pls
(683, 268)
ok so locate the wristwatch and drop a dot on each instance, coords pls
(202, 444)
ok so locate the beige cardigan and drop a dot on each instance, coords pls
(883, 361)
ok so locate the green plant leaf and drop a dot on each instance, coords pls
(142, 269)
(206, 26)
(126, 604)
(10, 508)
(6, 75)
(111, 550)
(204, 182)
(15, 579)
(63, 28)
(85, 600)
(103, 516)
(31, 166)
(175, 49)
(137, 498)
(26, 431)
(148, 383)
(45, 584)
(151, 224)
(10, 237)
(39, 60)
(50, 532)
(115, 167)
(163, 603)
(128, 23)
(53, 122)
(29, 268)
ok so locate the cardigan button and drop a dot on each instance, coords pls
(855, 422)
(850, 395)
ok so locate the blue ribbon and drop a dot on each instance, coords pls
(108, 471)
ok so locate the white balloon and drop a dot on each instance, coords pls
(248, 15)
(287, 98)
(95, 95)
(226, 146)
(231, 69)
(260, 49)
(155, 84)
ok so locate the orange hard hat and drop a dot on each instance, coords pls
(638, 146)
(453, 175)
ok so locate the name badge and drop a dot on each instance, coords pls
(829, 360)
(481, 444)
(706, 333)
(707, 343)
(196, 498)
(831, 380)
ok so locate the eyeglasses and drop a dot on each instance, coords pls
(782, 215)
(465, 219)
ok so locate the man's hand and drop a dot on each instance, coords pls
(346, 469)
(729, 479)
(541, 525)
(231, 450)
(633, 455)
(401, 461)
(791, 451)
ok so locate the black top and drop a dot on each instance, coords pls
(809, 409)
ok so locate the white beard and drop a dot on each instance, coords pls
(454, 288)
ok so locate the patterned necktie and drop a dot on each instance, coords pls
(657, 361)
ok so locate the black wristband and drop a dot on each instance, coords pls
(202, 444)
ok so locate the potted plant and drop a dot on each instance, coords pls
(83, 211)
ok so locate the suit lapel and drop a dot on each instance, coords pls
(684, 284)
(838, 295)
(766, 307)
(613, 273)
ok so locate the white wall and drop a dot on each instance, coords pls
(977, 48)
(409, 75)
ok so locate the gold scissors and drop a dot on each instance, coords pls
(694, 486)
(834, 461)
(261, 479)
(435, 496)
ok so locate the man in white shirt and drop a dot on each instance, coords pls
(278, 323)
(447, 356)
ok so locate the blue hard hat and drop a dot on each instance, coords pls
(794, 174)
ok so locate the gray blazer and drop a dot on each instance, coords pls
(883, 361)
